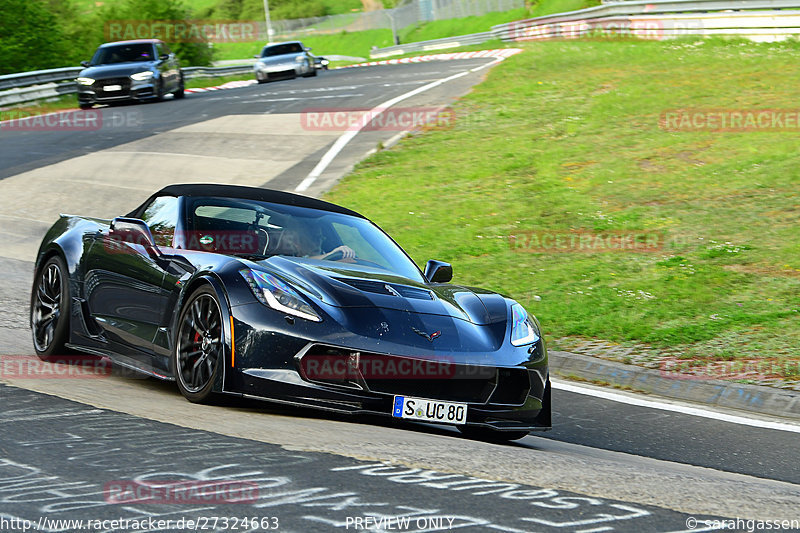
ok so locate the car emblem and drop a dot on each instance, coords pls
(430, 337)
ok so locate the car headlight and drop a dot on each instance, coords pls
(324, 61)
(142, 76)
(278, 295)
(85, 81)
(523, 329)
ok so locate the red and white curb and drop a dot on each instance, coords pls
(228, 85)
(500, 53)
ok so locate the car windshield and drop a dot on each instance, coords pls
(260, 230)
(123, 53)
(281, 49)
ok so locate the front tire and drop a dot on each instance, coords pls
(199, 351)
(180, 93)
(50, 309)
(159, 91)
(491, 435)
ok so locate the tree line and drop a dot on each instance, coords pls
(43, 34)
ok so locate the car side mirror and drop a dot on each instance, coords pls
(438, 271)
(307, 48)
(163, 57)
(85, 64)
(134, 231)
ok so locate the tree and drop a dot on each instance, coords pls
(31, 37)
(134, 11)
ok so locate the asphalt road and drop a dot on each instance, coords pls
(605, 466)
(62, 460)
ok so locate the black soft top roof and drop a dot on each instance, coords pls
(248, 193)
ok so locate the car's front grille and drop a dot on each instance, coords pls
(100, 85)
(436, 379)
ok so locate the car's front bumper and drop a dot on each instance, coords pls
(97, 93)
(505, 390)
(280, 70)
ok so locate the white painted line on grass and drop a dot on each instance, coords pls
(674, 407)
(346, 137)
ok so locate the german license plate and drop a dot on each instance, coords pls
(429, 410)
(112, 88)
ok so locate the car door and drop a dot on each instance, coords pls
(123, 283)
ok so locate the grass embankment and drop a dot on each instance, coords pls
(566, 137)
(359, 43)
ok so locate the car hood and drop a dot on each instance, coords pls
(117, 70)
(284, 58)
(342, 285)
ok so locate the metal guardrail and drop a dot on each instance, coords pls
(37, 85)
(435, 44)
(24, 79)
(662, 19)
(656, 19)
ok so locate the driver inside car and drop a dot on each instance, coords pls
(305, 240)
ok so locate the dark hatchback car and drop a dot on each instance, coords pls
(138, 70)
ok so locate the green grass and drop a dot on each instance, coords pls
(333, 7)
(566, 136)
(342, 43)
(339, 7)
(548, 7)
(439, 29)
(359, 43)
(211, 82)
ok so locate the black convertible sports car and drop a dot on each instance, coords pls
(267, 294)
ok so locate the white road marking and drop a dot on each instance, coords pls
(296, 98)
(675, 407)
(346, 137)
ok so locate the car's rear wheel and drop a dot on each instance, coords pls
(200, 348)
(85, 106)
(50, 309)
(491, 435)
